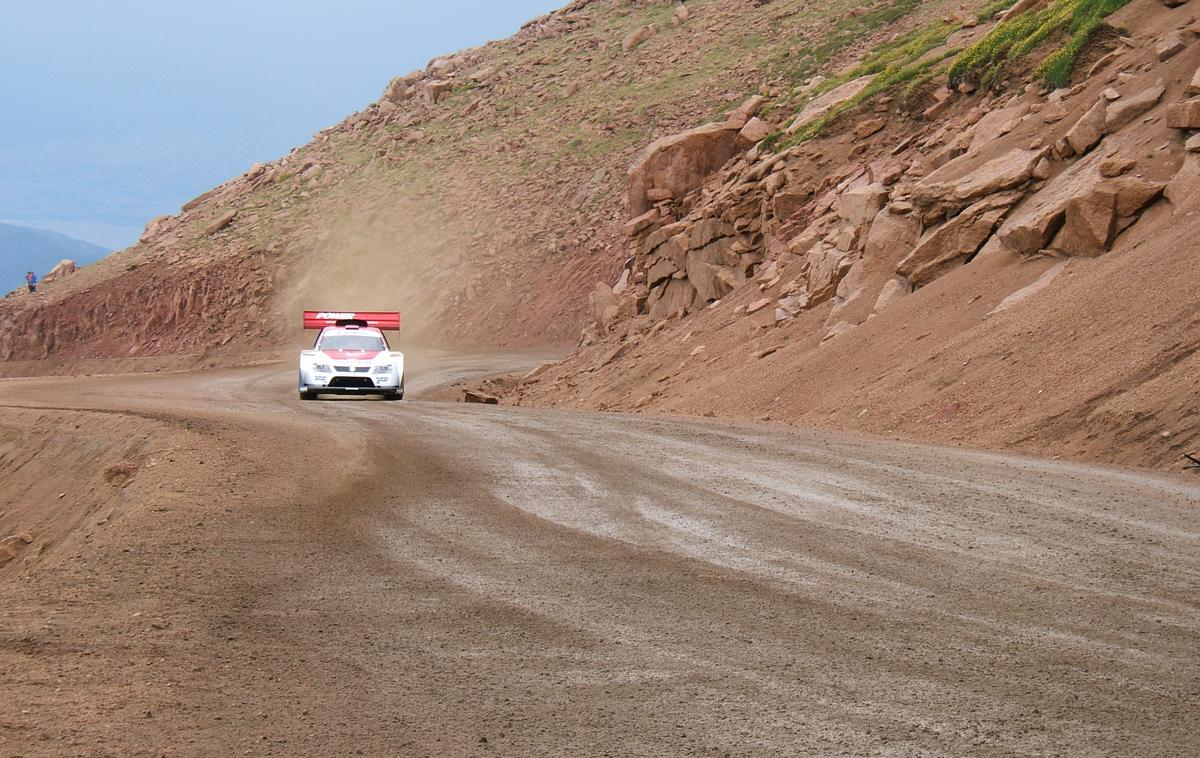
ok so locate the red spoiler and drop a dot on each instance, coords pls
(378, 319)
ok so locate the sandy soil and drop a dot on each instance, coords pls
(217, 568)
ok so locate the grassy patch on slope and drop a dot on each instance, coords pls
(1014, 38)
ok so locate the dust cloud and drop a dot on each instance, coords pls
(403, 258)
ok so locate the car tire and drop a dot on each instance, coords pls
(307, 395)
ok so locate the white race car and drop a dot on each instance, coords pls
(351, 356)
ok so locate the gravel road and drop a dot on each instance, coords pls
(272, 577)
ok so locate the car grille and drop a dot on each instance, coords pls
(351, 381)
(353, 369)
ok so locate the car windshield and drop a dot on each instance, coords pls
(353, 342)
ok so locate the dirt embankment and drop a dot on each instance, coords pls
(69, 476)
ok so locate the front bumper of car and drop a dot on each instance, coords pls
(357, 381)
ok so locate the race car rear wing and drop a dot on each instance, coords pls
(378, 319)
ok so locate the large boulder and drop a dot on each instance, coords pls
(957, 185)
(1092, 219)
(954, 242)
(1032, 226)
(827, 102)
(681, 162)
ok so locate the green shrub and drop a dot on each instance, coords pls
(1014, 38)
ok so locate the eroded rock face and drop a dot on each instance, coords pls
(714, 269)
(1080, 210)
(681, 162)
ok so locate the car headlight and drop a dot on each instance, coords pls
(384, 369)
(323, 367)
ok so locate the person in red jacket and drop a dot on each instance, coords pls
(31, 281)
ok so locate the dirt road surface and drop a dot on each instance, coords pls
(214, 568)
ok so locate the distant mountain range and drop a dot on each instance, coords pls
(23, 249)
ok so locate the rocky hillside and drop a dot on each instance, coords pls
(980, 232)
(483, 195)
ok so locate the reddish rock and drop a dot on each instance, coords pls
(1113, 167)
(827, 102)
(155, 227)
(680, 163)
(1088, 130)
(942, 100)
(222, 221)
(1005, 172)
(637, 37)
(949, 245)
(1185, 115)
(1090, 225)
(475, 396)
(753, 132)
(677, 296)
(867, 128)
(1169, 46)
(1123, 111)
(639, 224)
(436, 91)
(62, 269)
(758, 305)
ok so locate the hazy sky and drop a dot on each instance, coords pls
(114, 111)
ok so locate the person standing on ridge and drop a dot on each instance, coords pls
(31, 281)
